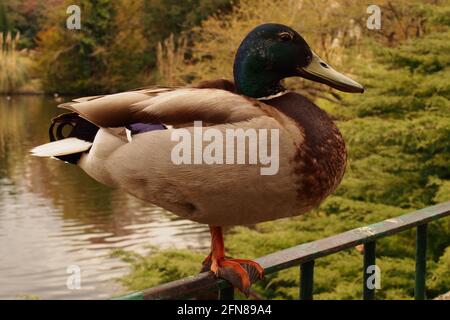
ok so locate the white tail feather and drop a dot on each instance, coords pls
(61, 148)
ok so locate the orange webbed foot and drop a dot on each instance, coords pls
(240, 273)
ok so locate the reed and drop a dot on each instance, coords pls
(169, 58)
(14, 65)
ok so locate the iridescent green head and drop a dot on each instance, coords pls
(272, 52)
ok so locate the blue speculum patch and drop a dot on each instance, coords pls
(137, 128)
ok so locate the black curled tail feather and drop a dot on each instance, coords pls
(78, 128)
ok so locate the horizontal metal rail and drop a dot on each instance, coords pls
(305, 254)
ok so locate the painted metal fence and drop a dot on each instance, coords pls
(304, 255)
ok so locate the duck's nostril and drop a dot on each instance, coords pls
(323, 64)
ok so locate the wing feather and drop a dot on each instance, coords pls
(167, 105)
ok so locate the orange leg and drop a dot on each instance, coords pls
(239, 272)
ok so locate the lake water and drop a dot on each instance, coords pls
(53, 216)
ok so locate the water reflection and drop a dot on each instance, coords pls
(52, 216)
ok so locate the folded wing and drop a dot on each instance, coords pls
(166, 105)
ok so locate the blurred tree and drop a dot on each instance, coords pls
(116, 47)
(27, 16)
(106, 55)
(164, 17)
(4, 26)
(161, 18)
(126, 49)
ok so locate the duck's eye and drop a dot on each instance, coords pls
(285, 36)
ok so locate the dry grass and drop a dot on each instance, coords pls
(14, 65)
(169, 57)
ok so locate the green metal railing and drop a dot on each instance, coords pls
(304, 255)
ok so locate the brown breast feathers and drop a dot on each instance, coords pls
(319, 162)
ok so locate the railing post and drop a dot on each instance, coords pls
(421, 262)
(369, 260)
(226, 294)
(307, 280)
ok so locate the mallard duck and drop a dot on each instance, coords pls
(125, 140)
